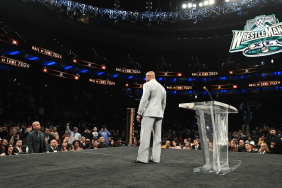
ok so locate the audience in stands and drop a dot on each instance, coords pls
(241, 147)
(187, 146)
(73, 133)
(233, 146)
(263, 149)
(111, 143)
(54, 146)
(18, 148)
(9, 150)
(88, 144)
(65, 146)
(102, 143)
(274, 142)
(174, 145)
(57, 138)
(261, 140)
(76, 145)
(104, 133)
(167, 145)
(3, 146)
(249, 148)
(95, 134)
(95, 145)
(196, 145)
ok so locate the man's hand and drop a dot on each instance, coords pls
(68, 124)
(138, 118)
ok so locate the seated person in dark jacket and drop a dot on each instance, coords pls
(241, 147)
(18, 148)
(249, 148)
(196, 145)
(48, 135)
(54, 146)
(274, 142)
(87, 144)
(102, 143)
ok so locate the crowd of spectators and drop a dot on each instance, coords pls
(18, 139)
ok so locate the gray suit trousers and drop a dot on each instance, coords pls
(148, 125)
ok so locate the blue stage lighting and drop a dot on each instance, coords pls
(160, 79)
(32, 58)
(100, 73)
(68, 67)
(130, 77)
(84, 71)
(245, 91)
(174, 80)
(243, 77)
(222, 78)
(144, 79)
(174, 92)
(115, 75)
(279, 73)
(14, 53)
(51, 63)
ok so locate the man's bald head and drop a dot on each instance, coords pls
(150, 75)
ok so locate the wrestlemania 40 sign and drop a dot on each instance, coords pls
(262, 36)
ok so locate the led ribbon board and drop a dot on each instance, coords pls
(204, 73)
(265, 83)
(134, 85)
(8, 39)
(47, 52)
(102, 82)
(179, 87)
(60, 74)
(13, 62)
(158, 73)
(261, 36)
(244, 71)
(130, 71)
(220, 87)
(89, 64)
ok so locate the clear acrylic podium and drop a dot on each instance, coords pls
(212, 120)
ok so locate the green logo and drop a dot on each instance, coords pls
(261, 36)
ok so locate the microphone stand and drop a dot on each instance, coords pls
(209, 95)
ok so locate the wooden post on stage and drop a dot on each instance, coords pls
(130, 126)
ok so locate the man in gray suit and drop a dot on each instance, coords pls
(151, 109)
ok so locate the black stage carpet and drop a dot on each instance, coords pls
(112, 167)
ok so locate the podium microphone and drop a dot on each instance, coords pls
(209, 94)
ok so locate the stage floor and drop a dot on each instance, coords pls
(112, 167)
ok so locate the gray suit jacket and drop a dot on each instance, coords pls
(153, 101)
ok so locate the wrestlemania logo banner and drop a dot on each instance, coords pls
(262, 36)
